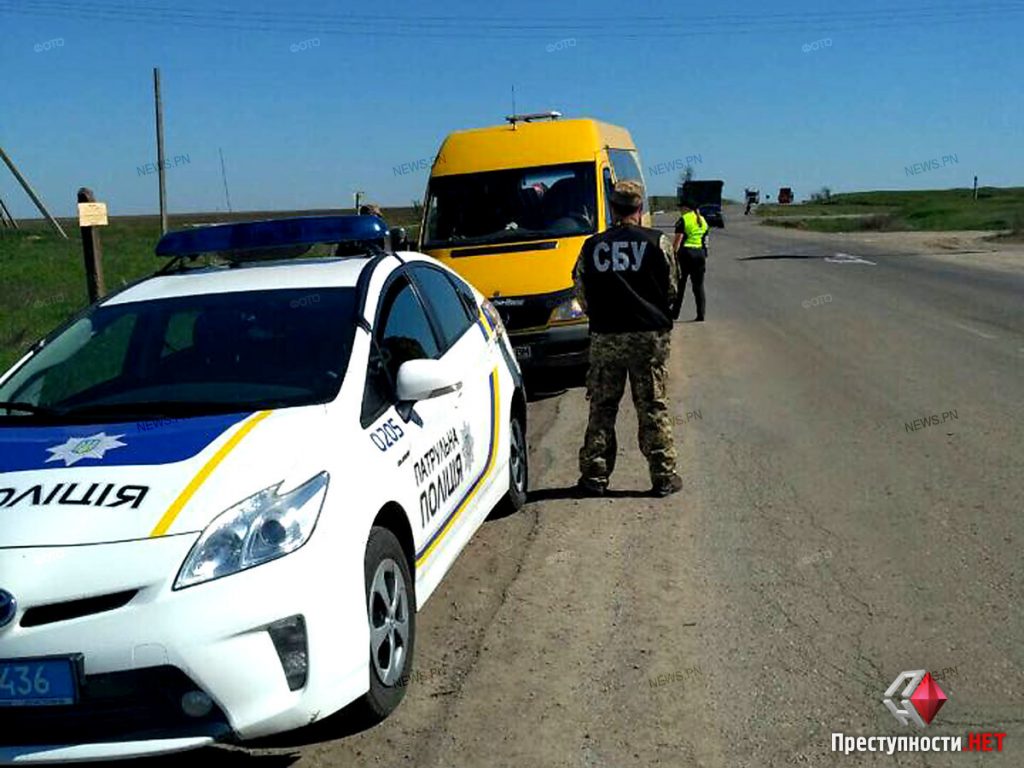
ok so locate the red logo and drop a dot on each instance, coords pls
(921, 698)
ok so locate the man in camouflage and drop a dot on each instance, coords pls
(627, 280)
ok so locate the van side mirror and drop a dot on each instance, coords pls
(399, 239)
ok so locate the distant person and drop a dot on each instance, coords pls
(626, 279)
(691, 249)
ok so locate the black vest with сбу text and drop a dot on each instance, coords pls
(626, 279)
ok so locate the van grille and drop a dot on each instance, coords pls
(522, 312)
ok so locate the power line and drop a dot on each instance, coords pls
(454, 27)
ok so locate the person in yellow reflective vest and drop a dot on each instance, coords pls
(691, 247)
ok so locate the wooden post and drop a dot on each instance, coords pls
(92, 251)
(160, 150)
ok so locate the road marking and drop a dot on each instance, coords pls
(975, 331)
(847, 258)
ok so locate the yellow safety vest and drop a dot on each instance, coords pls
(695, 228)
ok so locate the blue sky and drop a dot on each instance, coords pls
(303, 124)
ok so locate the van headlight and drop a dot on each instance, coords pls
(263, 527)
(569, 311)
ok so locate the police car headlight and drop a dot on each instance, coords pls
(567, 312)
(263, 527)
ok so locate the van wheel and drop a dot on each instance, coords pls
(391, 614)
(518, 469)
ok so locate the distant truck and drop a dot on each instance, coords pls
(752, 198)
(707, 196)
(785, 195)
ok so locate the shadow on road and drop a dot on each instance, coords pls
(337, 726)
(542, 385)
(222, 758)
(571, 492)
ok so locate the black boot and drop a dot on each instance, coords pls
(666, 486)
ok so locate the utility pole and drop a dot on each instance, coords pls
(9, 221)
(224, 175)
(160, 149)
(31, 193)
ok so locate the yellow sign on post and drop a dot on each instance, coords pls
(92, 214)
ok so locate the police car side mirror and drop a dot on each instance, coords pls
(426, 379)
(399, 239)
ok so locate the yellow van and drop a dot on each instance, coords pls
(508, 207)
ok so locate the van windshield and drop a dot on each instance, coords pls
(511, 205)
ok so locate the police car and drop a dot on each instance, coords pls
(226, 489)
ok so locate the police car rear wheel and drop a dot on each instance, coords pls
(518, 466)
(391, 615)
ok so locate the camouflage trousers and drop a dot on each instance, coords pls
(643, 357)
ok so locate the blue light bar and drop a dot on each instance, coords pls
(275, 233)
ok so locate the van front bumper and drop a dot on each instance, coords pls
(564, 346)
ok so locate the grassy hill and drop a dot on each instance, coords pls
(996, 209)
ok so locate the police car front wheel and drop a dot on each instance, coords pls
(391, 614)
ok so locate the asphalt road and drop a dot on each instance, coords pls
(824, 542)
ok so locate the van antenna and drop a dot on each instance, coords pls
(513, 104)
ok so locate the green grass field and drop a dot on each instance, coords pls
(996, 209)
(42, 276)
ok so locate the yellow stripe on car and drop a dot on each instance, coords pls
(190, 490)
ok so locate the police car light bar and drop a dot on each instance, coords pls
(272, 234)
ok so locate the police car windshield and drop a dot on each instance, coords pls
(190, 355)
(511, 205)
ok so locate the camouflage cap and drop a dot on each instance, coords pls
(628, 194)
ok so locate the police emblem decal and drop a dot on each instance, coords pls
(78, 448)
(467, 446)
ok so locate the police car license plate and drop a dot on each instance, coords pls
(37, 683)
(523, 353)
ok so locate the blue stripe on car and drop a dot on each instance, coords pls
(160, 441)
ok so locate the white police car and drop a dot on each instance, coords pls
(225, 490)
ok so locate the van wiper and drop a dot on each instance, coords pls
(38, 410)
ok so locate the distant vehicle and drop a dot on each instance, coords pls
(707, 195)
(509, 206)
(753, 197)
(785, 195)
(276, 461)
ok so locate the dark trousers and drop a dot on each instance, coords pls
(692, 263)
